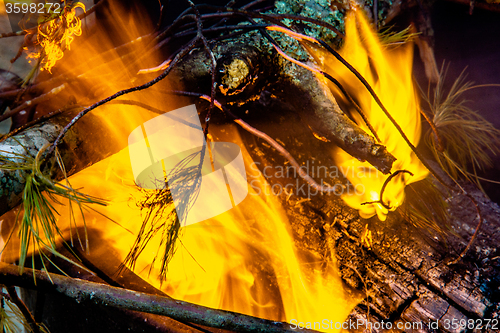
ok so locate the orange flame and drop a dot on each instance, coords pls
(389, 71)
(244, 260)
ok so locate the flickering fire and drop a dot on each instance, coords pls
(388, 69)
(245, 260)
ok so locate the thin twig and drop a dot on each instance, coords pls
(333, 80)
(353, 102)
(439, 141)
(285, 154)
(264, 136)
(252, 4)
(381, 200)
(310, 20)
(33, 101)
(474, 236)
(39, 120)
(176, 59)
(210, 54)
(368, 87)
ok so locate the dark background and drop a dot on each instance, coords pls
(470, 42)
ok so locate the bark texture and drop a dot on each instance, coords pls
(404, 273)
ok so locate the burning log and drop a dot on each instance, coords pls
(400, 285)
(240, 73)
(402, 270)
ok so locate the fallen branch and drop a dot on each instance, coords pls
(105, 295)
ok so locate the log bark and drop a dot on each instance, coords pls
(407, 272)
(242, 69)
(404, 274)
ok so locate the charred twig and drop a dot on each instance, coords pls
(365, 83)
(439, 141)
(287, 155)
(252, 4)
(387, 181)
(40, 120)
(105, 295)
(213, 64)
(329, 77)
(476, 231)
(176, 59)
(310, 20)
(273, 18)
(268, 139)
(376, 155)
(353, 102)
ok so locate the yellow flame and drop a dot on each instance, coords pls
(389, 72)
(55, 35)
(244, 260)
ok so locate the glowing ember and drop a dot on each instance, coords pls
(388, 70)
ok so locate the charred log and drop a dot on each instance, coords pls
(245, 73)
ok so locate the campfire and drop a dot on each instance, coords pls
(258, 166)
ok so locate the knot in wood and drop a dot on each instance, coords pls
(235, 76)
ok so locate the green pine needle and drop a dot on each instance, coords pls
(390, 37)
(463, 140)
(37, 221)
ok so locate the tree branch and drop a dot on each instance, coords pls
(105, 295)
